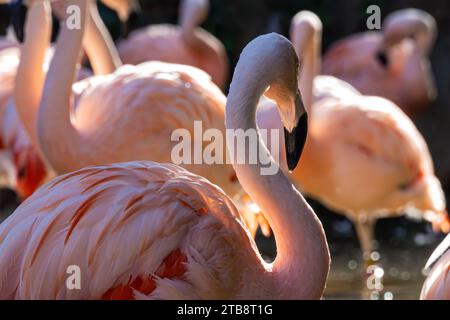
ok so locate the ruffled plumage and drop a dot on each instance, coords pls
(121, 222)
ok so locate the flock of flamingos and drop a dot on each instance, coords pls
(90, 151)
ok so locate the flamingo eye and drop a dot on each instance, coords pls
(382, 59)
(403, 186)
(21, 172)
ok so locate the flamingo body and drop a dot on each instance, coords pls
(121, 114)
(165, 43)
(363, 155)
(371, 158)
(407, 80)
(167, 234)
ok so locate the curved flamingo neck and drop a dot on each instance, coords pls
(192, 14)
(405, 23)
(301, 266)
(99, 45)
(59, 140)
(97, 41)
(30, 76)
(306, 36)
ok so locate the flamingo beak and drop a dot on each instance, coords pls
(18, 17)
(296, 138)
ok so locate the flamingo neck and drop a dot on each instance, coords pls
(97, 41)
(306, 36)
(30, 76)
(301, 266)
(192, 14)
(401, 24)
(99, 45)
(58, 138)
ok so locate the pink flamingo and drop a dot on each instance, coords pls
(392, 63)
(115, 114)
(437, 284)
(363, 156)
(170, 234)
(185, 44)
(9, 60)
(27, 168)
(30, 170)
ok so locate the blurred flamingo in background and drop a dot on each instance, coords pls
(120, 114)
(363, 156)
(392, 63)
(184, 44)
(437, 284)
(30, 170)
(9, 60)
(24, 171)
(172, 234)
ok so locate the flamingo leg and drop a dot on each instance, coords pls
(372, 279)
(365, 230)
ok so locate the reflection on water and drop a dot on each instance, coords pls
(404, 247)
(402, 275)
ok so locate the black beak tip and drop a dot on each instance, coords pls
(295, 142)
(18, 16)
(382, 59)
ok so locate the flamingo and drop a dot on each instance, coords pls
(119, 114)
(392, 63)
(184, 44)
(30, 169)
(363, 157)
(437, 284)
(26, 168)
(170, 234)
(9, 59)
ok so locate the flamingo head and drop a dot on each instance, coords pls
(123, 8)
(30, 171)
(193, 12)
(413, 24)
(291, 108)
(406, 63)
(408, 37)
